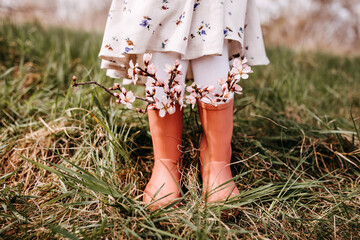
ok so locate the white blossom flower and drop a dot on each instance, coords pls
(152, 69)
(237, 62)
(192, 88)
(169, 68)
(240, 69)
(147, 58)
(237, 89)
(150, 82)
(133, 71)
(127, 98)
(197, 92)
(181, 102)
(191, 99)
(162, 105)
(178, 88)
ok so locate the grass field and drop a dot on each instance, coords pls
(74, 165)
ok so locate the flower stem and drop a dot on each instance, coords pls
(75, 84)
(96, 83)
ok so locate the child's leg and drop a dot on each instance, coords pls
(208, 69)
(217, 123)
(166, 133)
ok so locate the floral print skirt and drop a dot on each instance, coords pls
(192, 28)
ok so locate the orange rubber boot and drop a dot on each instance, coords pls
(215, 151)
(166, 133)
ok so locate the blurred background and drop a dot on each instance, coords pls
(328, 25)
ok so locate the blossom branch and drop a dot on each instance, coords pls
(173, 87)
(75, 84)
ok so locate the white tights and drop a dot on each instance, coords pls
(207, 69)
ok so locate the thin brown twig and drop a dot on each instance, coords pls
(108, 91)
(96, 83)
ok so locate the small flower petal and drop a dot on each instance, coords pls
(147, 57)
(162, 112)
(152, 69)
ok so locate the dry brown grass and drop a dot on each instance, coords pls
(39, 144)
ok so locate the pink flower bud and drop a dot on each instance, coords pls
(147, 57)
(123, 90)
(74, 80)
(160, 81)
(177, 63)
(140, 110)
